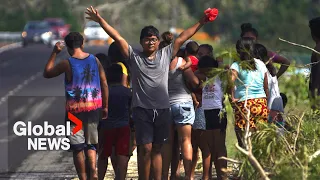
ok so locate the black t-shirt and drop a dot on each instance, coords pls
(119, 107)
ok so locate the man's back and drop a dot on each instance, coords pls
(83, 92)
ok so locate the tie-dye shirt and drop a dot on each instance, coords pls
(83, 93)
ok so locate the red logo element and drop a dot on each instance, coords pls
(77, 121)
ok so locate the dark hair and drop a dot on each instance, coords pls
(284, 99)
(149, 31)
(208, 47)
(207, 62)
(261, 52)
(247, 27)
(74, 40)
(181, 52)
(245, 49)
(314, 25)
(192, 48)
(114, 74)
(115, 54)
(167, 38)
(104, 60)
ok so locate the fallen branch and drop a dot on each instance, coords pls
(300, 45)
(314, 155)
(230, 160)
(253, 161)
(298, 132)
(303, 46)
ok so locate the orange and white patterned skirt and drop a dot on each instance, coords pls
(258, 112)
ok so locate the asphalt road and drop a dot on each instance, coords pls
(26, 96)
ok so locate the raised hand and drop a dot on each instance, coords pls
(93, 14)
(211, 14)
(58, 46)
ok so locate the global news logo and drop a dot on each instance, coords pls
(52, 137)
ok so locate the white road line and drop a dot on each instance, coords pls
(10, 47)
(19, 87)
(37, 110)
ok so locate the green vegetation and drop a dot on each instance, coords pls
(284, 156)
(273, 19)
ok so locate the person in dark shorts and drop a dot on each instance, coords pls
(150, 102)
(116, 130)
(86, 92)
(212, 104)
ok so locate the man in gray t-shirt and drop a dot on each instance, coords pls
(149, 72)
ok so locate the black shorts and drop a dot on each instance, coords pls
(151, 125)
(213, 120)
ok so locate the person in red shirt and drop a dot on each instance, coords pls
(191, 51)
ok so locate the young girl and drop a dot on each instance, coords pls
(115, 131)
(275, 104)
(212, 104)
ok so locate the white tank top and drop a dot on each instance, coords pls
(274, 91)
(212, 95)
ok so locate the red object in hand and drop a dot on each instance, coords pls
(211, 14)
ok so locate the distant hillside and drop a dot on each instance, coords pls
(286, 18)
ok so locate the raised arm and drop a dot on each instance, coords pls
(187, 34)
(114, 34)
(284, 62)
(52, 70)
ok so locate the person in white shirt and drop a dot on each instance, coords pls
(212, 104)
(275, 102)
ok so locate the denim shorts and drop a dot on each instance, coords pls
(200, 120)
(183, 113)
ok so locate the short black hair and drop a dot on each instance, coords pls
(115, 54)
(314, 25)
(208, 47)
(284, 99)
(207, 62)
(149, 31)
(181, 52)
(74, 40)
(192, 48)
(114, 74)
(247, 27)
